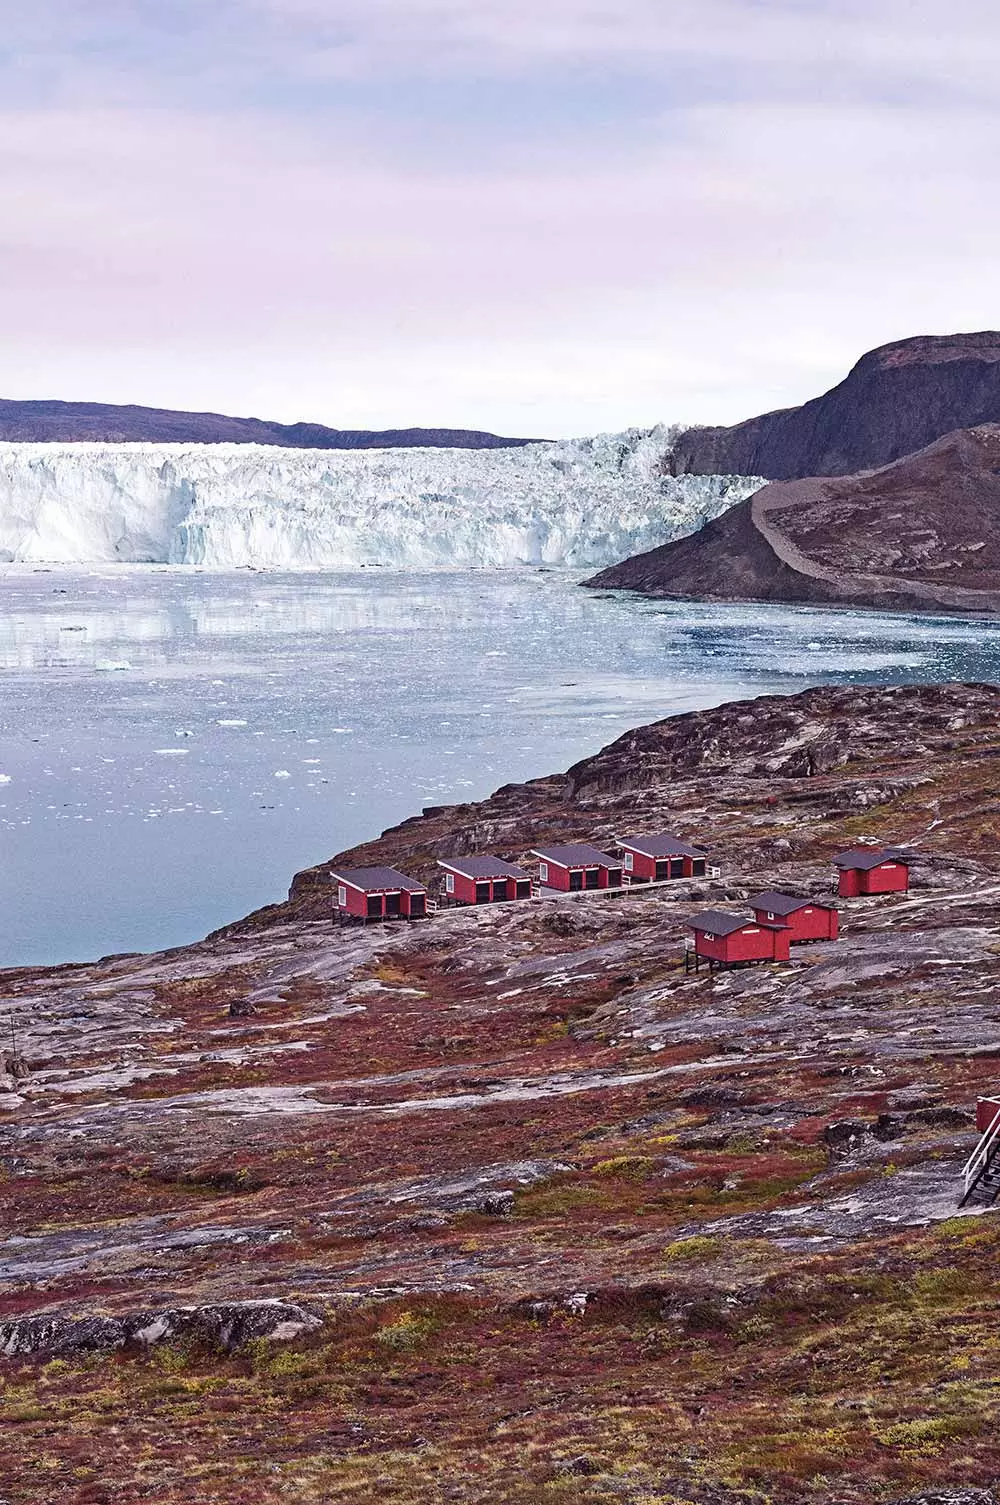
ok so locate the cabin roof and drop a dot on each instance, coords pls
(577, 855)
(665, 845)
(482, 867)
(774, 903)
(719, 922)
(865, 858)
(376, 879)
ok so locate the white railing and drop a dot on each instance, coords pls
(981, 1156)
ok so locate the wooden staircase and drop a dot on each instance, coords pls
(981, 1172)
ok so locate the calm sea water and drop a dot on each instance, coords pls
(175, 744)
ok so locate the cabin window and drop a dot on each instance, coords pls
(449, 883)
(751, 930)
(707, 935)
(543, 871)
(342, 896)
(891, 866)
(807, 911)
(482, 893)
(629, 862)
(770, 914)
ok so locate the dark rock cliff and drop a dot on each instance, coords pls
(919, 534)
(897, 399)
(101, 422)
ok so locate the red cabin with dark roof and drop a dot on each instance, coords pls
(987, 1113)
(807, 919)
(484, 880)
(655, 859)
(730, 940)
(577, 868)
(873, 871)
(378, 893)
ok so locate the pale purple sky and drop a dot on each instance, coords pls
(535, 216)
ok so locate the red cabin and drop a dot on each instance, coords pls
(654, 859)
(873, 871)
(484, 880)
(574, 869)
(987, 1112)
(379, 893)
(806, 919)
(730, 940)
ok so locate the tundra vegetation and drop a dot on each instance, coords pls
(505, 1206)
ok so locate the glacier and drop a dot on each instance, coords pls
(578, 503)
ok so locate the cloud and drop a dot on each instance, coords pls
(550, 218)
(912, 37)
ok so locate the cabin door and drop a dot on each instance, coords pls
(418, 906)
(593, 877)
(523, 888)
(575, 880)
(662, 871)
(482, 893)
(698, 867)
(500, 891)
(373, 908)
(392, 904)
(677, 867)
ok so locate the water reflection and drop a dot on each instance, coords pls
(177, 743)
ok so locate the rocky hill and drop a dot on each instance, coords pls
(917, 535)
(506, 1206)
(897, 399)
(102, 422)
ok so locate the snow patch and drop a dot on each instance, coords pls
(578, 503)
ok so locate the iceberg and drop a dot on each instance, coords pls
(578, 503)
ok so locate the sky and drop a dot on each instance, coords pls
(540, 217)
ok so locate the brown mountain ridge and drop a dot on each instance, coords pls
(917, 535)
(897, 399)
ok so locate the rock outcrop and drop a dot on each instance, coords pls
(917, 535)
(897, 399)
(227, 1327)
(535, 1207)
(44, 422)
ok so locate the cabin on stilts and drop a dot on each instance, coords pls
(732, 940)
(872, 870)
(807, 919)
(981, 1172)
(656, 859)
(378, 893)
(483, 880)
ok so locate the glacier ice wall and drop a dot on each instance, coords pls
(579, 503)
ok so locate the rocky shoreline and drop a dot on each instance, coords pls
(916, 535)
(368, 1204)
